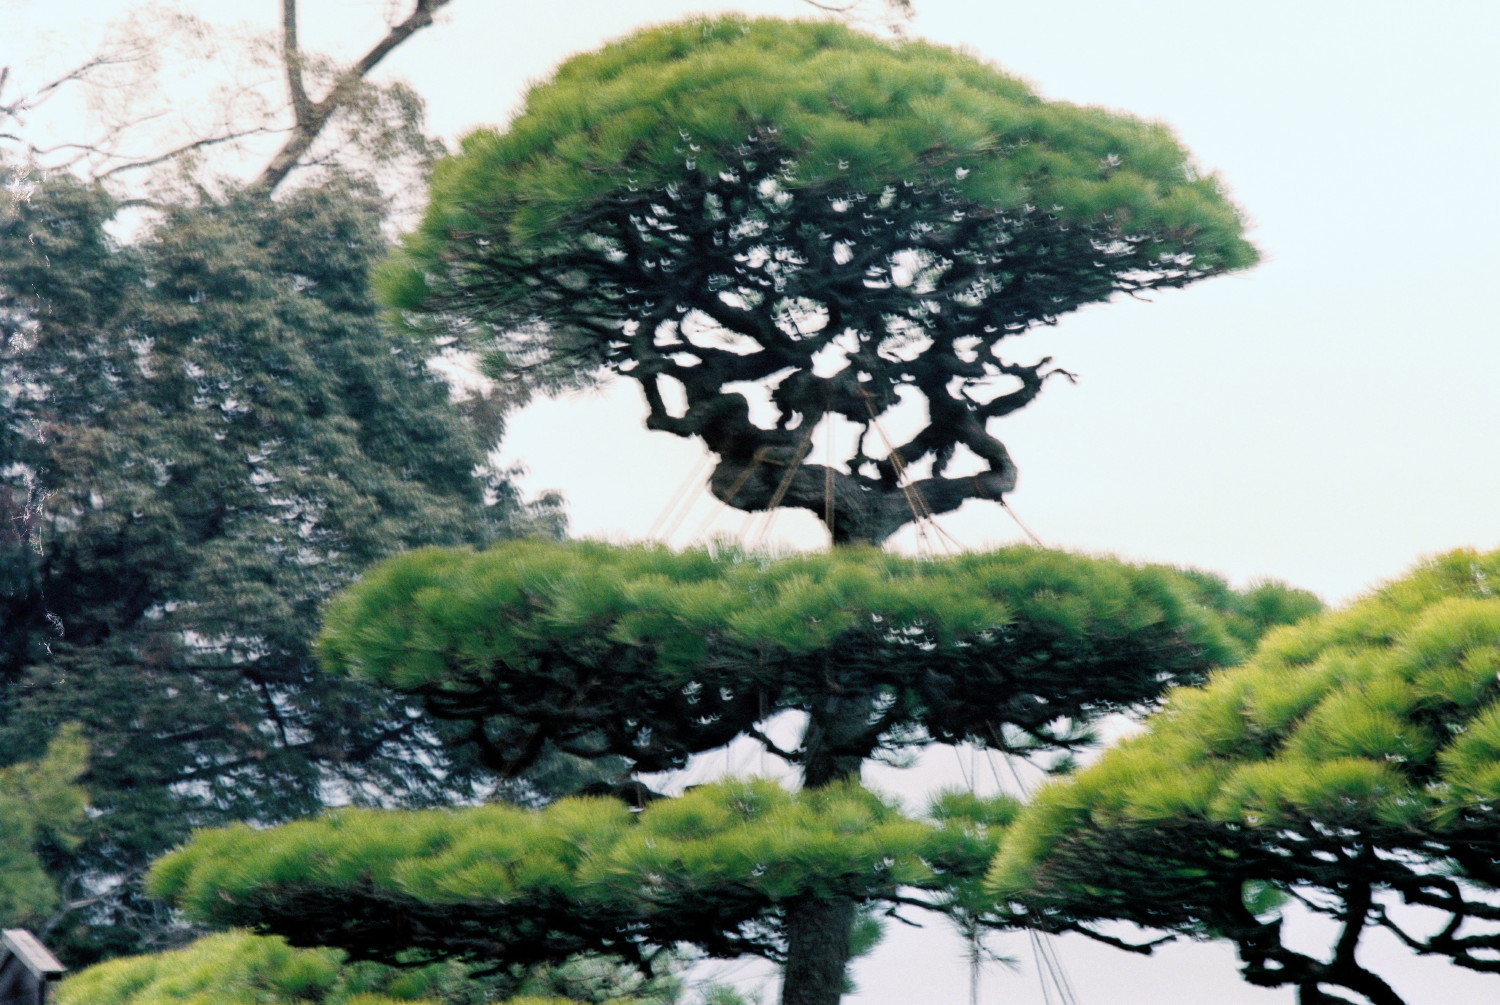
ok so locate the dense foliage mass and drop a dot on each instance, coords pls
(852, 220)
(652, 655)
(203, 434)
(499, 884)
(1352, 764)
(237, 968)
(655, 655)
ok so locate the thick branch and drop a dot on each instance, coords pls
(312, 118)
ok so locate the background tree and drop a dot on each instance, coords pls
(857, 223)
(203, 434)
(168, 92)
(654, 656)
(309, 111)
(1349, 766)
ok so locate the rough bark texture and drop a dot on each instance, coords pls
(844, 305)
(817, 957)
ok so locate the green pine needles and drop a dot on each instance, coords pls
(498, 884)
(655, 655)
(1353, 762)
(846, 220)
(847, 111)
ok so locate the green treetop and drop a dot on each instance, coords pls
(854, 221)
(1352, 764)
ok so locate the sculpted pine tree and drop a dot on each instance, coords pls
(1349, 765)
(853, 224)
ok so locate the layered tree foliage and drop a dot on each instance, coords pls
(854, 222)
(499, 884)
(653, 656)
(203, 434)
(236, 968)
(722, 203)
(1352, 765)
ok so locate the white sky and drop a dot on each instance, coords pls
(1325, 419)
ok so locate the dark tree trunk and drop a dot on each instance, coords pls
(818, 928)
(817, 955)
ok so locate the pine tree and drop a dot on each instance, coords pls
(653, 656)
(850, 223)
(1350, 764)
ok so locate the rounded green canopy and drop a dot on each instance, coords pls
(1352, 762)
(713, 204)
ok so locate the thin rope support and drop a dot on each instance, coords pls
(682, 502)
(1025, 529)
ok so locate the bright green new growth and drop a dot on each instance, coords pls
(1354, 753)
(852, 113)
(40, 804)
(500, 884)
(236, 968)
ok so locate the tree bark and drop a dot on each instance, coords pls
(817, 954)
(818, 928)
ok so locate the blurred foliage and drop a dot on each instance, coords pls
(41, 808)
(203, 434)
(237, 968)
(1351, 763)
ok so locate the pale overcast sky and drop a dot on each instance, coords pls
(1325, 419)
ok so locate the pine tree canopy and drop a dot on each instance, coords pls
(508, 887)
(849, 219)
(655, 655)
(237, 968)
(1352, 763)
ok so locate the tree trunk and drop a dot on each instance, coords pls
(818, 928)
(817, 951)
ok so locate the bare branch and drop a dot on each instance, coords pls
(291, 57)
(185, 148)
(314, 117)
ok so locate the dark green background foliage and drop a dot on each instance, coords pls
(1353, 761)
(203, 434)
